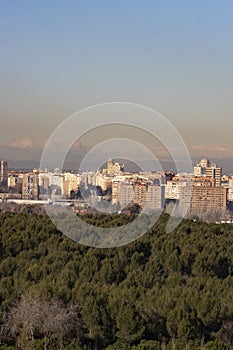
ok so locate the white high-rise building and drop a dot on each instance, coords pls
(208, 168)
(172, 189)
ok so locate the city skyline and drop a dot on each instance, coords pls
(204, 192)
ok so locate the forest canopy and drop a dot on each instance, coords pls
(163, 291)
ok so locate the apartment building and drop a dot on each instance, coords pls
(155, 197)
(140, 194)
(203, 198)
(30, 185)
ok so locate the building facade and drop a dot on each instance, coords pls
(3, 171)
(155, 197)
(203, 198)
(30, 185)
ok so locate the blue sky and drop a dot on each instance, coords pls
(57, 57)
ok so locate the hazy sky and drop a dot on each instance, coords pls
(57, 57)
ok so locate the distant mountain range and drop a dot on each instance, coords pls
(25, 164)
(25, 153)
(15, 158)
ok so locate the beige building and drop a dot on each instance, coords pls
(45, 183)
(203, 198)
(140, 194)
(14, 182)
(155, 197)
(216, 173)
(70, 183)
(104, 181)
(11, 181)
(204, 181)
(230, 194)
(122, 191)
(116, 192)
(30, 185)
(126, 194)
(114, 168)
(198, 170)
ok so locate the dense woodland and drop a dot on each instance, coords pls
(165, 291)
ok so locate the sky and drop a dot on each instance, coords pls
(57, 57)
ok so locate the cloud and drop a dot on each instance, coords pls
(212, 150)
(31, 146)
(25, 153)
(22, 143)
(22, 148)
